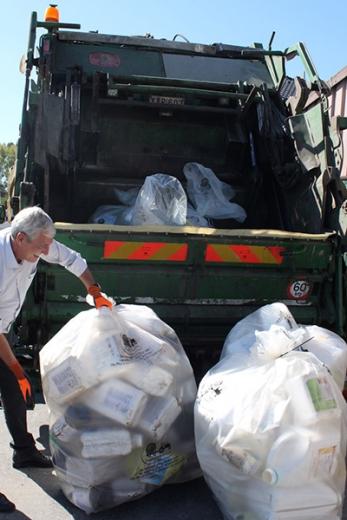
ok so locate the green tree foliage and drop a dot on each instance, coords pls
(7, 159)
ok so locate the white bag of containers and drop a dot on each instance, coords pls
(120, 391)
(271, 421)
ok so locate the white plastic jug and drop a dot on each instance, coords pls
(117, 400)
(91, 472)
(150, 378)
(300, 455)
(317, 501)
(108, 443)
(159, 415)
(312, 397)
(65, 382)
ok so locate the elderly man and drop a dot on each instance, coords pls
(29, 239)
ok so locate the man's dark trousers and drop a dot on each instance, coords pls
(15, 411)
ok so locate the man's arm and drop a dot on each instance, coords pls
(94, 289)
(87, 279)
(7, 356)
(6, 353)
(73, 262)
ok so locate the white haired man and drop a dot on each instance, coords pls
(29, 239)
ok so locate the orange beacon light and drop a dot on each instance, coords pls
(51, 13)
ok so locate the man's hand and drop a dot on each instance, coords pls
(100, 299)
(24, 384)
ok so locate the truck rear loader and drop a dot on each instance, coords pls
(102, 112)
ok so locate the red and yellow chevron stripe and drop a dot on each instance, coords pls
(120, 250)
(240, 253)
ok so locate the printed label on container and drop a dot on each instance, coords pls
(156, 463)
(107, 354)
(66, 380)
(321, 394)
(123, 349)
(130, 349)
(118, 401)
(324, 461)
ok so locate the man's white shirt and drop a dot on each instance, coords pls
(16, 278)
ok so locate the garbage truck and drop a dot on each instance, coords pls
(101, 113)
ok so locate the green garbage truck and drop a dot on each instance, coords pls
(103, 112)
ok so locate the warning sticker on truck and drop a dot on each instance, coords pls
(241, 253)
(123, 250)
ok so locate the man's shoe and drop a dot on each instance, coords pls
(6, 506)
(34, 460)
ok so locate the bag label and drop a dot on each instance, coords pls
(157, 464)
(321, 394)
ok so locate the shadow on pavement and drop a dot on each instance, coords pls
(16, 515)
(171, 502)
(186, 501)
(43, 438)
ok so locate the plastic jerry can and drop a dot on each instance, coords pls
(312, 398)
(150, 378)
(159, 415)
(299, 457)
(64, 381)
(91, 472)
(106, 443)
(66, 437)
(317, 501)
(117, 400)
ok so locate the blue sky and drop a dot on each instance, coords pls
(319, 24)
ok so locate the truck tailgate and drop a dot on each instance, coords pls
(199, 280)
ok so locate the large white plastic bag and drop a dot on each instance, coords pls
(242, 336)
(209, 195)
(245, 340)
(329, 348)
(268, 432)
(161, 200)
(121, 392)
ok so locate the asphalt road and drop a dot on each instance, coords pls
(37, 495)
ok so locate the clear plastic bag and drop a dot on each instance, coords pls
(117, 215)
(330, 349)
(271, 331)
(271, 421)
(121, 392)
(194, 219)
(127, 197)
(161, 201)
(210, 196)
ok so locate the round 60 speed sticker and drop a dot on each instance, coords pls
(299, 289)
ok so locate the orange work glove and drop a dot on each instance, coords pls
(24, 384)
(100, 300)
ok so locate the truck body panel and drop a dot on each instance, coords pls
(338, 107)
(197, 280)
(105, 111)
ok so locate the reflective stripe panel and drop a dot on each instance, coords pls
(145, 251)
(239, 253)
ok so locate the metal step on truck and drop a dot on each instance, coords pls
(103, 112)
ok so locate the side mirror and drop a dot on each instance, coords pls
(2, 214)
